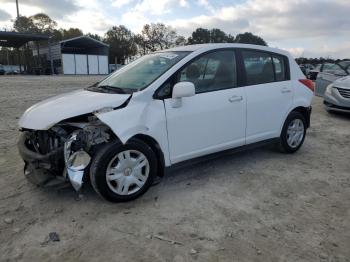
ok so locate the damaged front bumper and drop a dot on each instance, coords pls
(39, 168)
(52, 168)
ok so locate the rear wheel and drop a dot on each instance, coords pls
(123, 172)
(293, 132)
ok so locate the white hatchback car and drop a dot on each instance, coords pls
(162, 109)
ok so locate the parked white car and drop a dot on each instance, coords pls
(162, 109)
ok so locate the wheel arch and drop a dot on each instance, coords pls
(154, 145)
(305, 111)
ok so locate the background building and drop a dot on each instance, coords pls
(81, 55)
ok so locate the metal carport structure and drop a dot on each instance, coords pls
(16, 40)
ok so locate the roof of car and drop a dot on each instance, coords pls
(207, 47)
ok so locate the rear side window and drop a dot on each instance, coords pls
(263, 67)
(258, 67)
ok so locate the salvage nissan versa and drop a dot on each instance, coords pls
(162, 109)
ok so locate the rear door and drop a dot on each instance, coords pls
(214, 118)
(269, 93)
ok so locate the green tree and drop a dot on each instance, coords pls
(199, 36)
(217, 36)
(158, 37)
(249, 38)
(230, 38)
(121, 44)
(56, 35)
(180, 41)
(94, 36)
(24, 24)
(141, 44)
(71, 33)
(43, 23)
(39, 23)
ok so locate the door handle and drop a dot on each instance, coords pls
(285, 91)
(235, 99)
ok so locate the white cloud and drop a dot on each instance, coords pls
(154, 7)
(309, 27)
(206, 5)
(94, 22)
(121, 3)
(150, 11)
(277, 19)
(134, 20)
(4, 15)
(56, 9)
(184, 3)
(296, 51)
(280, 22)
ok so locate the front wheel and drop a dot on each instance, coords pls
(123, 172)
(293, 132)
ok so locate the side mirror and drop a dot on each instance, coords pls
(180, 90)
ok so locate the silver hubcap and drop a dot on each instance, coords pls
(295, 133)
(127, 172)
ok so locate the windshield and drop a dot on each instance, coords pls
(345, 65)
(142, 72)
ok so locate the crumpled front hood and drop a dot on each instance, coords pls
(343, 82)
(49, 112)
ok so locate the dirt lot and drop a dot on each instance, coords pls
(254, 206)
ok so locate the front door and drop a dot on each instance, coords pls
(215, 118)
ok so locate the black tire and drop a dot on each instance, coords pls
(105, 155)
(284, 146)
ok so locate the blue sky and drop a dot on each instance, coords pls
(311, 28)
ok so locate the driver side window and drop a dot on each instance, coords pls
(210, 72)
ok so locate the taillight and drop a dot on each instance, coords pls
(308, 83)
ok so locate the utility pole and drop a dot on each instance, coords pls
(17, 8)
(18, 51)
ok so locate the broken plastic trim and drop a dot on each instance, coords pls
(76, 162)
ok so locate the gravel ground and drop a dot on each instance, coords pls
(258, 205)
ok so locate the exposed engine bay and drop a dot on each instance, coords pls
(63, 152)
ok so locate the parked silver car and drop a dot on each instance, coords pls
(337, 95)
(329, 73)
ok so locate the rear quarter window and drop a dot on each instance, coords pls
(280, 69)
